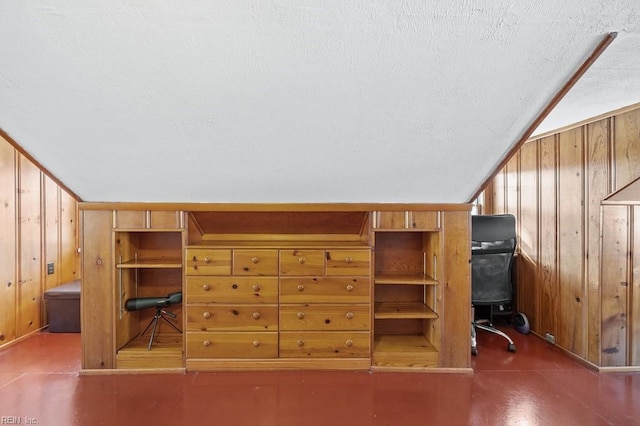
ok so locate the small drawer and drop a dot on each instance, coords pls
(207, 262)
(301, 262)
(324, 317)
(325, 345)
(255, 262)
(232, 345)
(231, 289)
(348, 262)
(325, 290)
(232, 317)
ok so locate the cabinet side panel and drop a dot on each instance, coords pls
(456, 291)
(615, 224)
(97, 291)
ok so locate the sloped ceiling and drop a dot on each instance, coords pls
(298, 100)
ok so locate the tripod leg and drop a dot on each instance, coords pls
(153, 332)
(170, 323)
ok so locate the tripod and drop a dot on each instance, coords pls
(160, 314)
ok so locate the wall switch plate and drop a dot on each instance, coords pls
(50, 268)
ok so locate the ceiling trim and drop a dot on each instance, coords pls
(275, 207)
(600, 48)
(585, 122)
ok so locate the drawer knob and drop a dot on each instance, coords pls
(300, 315)
(348, 259)
(300, 342)
(255, 259)
(256, 315)
(256, 343)
(206, 315)
(300, 287)
(349, 287)
(206, 287)
(207, 260)
(206, 343)
(349, 342)
(302, 260)
(256, 287)
(349, 315)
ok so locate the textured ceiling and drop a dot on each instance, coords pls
(299, 100)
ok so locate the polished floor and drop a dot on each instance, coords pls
(538, 385)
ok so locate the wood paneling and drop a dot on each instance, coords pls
(626, 148)
(634, 320)
(8, 228)
(597, 187)
(527, 262)
(570, 331)
(30, 290)
(569, 285)
(547, 269)
(37, 226)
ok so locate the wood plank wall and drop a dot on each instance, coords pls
(38, 225)
(554, 186)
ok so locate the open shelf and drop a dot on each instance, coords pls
(403, 310)
(166, 352)
(151, 263)
(399, 350)
(399, 278)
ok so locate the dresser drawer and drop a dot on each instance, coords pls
(231, 289)
(324, 317)
(255, 262)
(232, 345)
(301, 262)
(325, 290)
(348, 262)
(207, 262)
(324, 345)
(232, 317)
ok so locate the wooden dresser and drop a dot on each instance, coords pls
(341, 287)
(254, 305)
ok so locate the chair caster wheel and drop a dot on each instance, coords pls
(474, 351)
(511, 347)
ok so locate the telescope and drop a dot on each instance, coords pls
(139, 303)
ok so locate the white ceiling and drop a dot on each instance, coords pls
(299, 100)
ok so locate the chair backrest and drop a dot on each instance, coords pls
(493, 242)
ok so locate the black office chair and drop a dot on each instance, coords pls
(493, 243)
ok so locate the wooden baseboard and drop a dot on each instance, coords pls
(22, 338)
(112, 371)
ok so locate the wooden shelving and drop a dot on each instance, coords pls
(165, 353)
(401, 351)
(406, 331)
(399, 278)
(151, 264)
(403, 310)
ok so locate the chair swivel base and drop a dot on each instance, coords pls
(511, 347)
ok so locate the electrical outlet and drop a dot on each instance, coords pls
(550, 338)
(50, 268)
